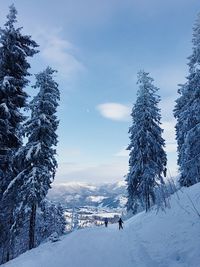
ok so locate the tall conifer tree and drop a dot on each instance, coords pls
(14, 50)
(147, 159)
(37, 157)
(187, 113)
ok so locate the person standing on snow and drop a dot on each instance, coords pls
(106, 222)
(120, 223)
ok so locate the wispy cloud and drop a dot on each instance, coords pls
(59, 53)
(169, 135)
(109, 172)
(67, 152)
(122, 153)
(167, 106)
(171, 147)
(115, 111)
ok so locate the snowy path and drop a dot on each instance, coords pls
(90, 248)
(170, 239)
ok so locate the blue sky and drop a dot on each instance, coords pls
(98, 46)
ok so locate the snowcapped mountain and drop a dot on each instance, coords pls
(153, 239)
(87, 205)
(78, 195)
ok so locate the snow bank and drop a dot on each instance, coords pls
(166, 239)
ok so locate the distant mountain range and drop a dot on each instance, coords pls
(87, 205)
(75, 195)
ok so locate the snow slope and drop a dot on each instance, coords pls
(166, 239)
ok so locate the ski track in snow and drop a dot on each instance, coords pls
(166, 239)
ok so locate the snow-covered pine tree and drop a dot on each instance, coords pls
(187, 113)
(61, 221)
(147, 159)
(37, 157)
(50, 219)
(14, 50)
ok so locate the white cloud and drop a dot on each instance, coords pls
(59, 53)
(115, 111)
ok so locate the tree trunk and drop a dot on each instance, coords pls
(8, 256)
(7, 242)
(32, 227)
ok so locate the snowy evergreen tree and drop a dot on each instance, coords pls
(14, 50)
(50, 219)
(61, 221)
(37, 158)
(187, 113)
(147, 159)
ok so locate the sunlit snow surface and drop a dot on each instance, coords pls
(165, 239)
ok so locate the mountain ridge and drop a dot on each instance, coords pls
(78, 194)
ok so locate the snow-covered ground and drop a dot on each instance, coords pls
(166, 239)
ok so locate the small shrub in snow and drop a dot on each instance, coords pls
(54, 237)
